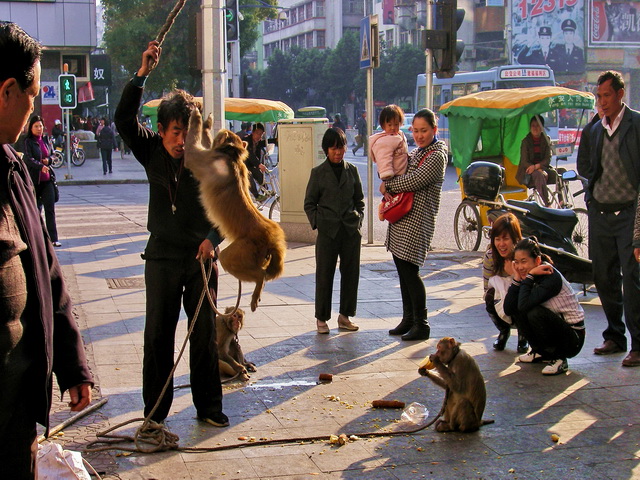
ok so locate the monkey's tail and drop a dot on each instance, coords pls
(276, 263)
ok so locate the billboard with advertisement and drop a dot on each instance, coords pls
(549, 32)
(614, 24)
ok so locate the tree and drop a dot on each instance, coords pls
(342, 71)
(396, 76)
(131, 24)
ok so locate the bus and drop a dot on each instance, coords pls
(508, 76)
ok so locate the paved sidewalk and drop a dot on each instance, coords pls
(593, 408)
(126, 169)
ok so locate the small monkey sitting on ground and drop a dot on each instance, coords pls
(230, 357)
(458, 373)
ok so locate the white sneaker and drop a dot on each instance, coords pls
(531, 357)
(556, 367)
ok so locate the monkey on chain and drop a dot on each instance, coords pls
(230, 357)
(459, 375)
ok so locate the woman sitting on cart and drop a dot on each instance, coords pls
(497, 273)
(535, 169)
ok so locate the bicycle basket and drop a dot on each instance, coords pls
(482, 180)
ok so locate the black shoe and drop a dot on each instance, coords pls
(354, 150)
(403, 327)
(218, 419)
(501, 341)
(523, 345)
(419, 331)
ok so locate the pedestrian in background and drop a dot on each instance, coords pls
(38, 155)
(180, 236)
(106, 143)
(410, 237)
(338, 123)
(38, 332)
(614, 170)
(334, 204)
(362, 140)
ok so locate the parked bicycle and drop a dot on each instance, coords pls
(269, 195)
(77, 154)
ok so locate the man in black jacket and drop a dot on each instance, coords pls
(180, 236)
(38, 334)
(614, 179)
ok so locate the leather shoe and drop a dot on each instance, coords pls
(501, 341)
(632, 360)
(608, 347)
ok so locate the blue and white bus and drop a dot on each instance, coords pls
(508, 76)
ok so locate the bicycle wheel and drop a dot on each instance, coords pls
(274, 210)
(580, 235)
(58, 159)
(467, 226)
(77, 157)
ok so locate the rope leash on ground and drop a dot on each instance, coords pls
(111, 441)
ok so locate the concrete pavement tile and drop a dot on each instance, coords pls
(618, 470)
(297, 464)
(161, 466)
(228, 468)
(376, 473)
(352, 456)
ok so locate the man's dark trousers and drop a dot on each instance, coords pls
(170, 282)
(611, 250)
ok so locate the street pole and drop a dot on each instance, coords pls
(213, 61)
(67, 118)
(235, 68)
(428, 80)
(369, 161)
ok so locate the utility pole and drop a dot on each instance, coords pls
(428, 77)
(213, 61)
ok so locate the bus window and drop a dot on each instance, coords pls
(437, 101)
(472, 88)
(446, 95)
(458, 90)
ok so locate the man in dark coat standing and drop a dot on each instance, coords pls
(611, 201)
(180, 236)
(38, 333)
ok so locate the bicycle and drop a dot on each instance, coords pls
(269, 195)
(562, 198)
(77, 154)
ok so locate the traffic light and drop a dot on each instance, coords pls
(448, 18)
(231, 20)
(67, 93)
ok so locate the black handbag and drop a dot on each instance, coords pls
(52, 179)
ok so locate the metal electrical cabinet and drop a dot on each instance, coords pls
(299, 150)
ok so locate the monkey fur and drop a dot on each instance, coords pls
(230, 357)
(257, 245)
(459, 374)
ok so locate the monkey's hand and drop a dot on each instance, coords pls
(423, 371)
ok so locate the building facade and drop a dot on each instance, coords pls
(310, 24)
